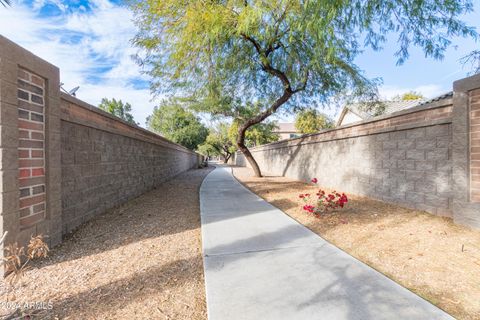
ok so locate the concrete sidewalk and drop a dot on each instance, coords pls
(261, 264)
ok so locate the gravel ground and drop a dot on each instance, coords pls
(141, 260)
(429, 255)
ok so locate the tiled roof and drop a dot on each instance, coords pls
(390, 106)
(440, 97)
(395, 106)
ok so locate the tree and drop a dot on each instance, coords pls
(311, 121)
(411, 95)
(118, 109)
(256, 135)
(219, 143)
(227, 55)
(5, 3)
(206, 149)
(175, 123)
(473, 58)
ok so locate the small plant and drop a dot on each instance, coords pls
(16, 260)
(323, 202)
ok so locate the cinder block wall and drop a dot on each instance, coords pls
(106, 162)
(404, 159)
(63, 161)
(426, 158)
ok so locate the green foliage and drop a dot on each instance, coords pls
(207, 149)
(256, 135)
(239, 47)
(226, 56)
(311, 121)
(118, 109)
(174, 122)
(411, 95)
(218, 143)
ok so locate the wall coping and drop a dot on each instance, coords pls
(153, 137)
(428, 106)
(467, 84)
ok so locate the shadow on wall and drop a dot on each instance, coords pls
(411, 167)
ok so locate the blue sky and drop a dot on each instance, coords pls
(89, 42)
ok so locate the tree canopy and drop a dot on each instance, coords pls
(174, 122)
(118, 108)
(411, 95)
(472, 59)
(218, 143)
(227, 56)
(256, 135)
(311, 121)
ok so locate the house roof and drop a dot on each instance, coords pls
(446, 95)
(286, 127)
(390, 106)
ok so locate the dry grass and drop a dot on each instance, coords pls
(430, 255)
(139, 261)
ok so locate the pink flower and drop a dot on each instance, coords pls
(309, 208)
(314, 180)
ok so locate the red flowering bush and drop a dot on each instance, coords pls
(323, 202)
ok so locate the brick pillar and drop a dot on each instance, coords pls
(466, 151)
(30, 171)
(31, 148)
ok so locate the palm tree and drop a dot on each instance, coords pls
(5, 2)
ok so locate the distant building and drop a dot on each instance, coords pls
(287, 131)
(354, 113)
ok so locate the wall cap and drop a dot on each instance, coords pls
(89, 107)
(429, 106)
(467, 84)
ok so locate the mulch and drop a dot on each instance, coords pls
(141, 260)
(427, 254)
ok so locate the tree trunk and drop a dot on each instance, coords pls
(242, 129)
(251, 159)
(248, 155)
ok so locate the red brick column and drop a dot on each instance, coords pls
(31, 148)
(30, 163)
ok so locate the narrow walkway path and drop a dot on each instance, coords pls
(261, 264)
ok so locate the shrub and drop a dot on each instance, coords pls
(322, 202)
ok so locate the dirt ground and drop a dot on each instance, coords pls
(141, 260)
(427, 254)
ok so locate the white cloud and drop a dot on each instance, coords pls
(92, 49)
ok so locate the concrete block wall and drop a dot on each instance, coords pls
(63, 161)
(427, 158)
(465, 147)
(106, 162)
(405, 158)
(474, 101)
